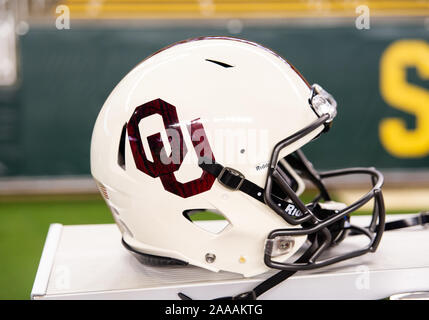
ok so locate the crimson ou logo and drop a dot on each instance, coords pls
(163, 166)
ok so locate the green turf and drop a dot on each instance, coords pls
(206, 215)
(23, 229)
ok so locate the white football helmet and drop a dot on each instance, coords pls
(216, 124)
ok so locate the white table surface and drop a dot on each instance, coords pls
(89, 262)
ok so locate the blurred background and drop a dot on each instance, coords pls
(59, 60)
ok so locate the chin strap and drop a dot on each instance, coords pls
(234, 180)
(258, 290)
(421, 219)
(269, 283)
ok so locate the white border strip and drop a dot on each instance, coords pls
(46, 261)
(85, 184)
(47, 185)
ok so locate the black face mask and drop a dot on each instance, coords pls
(319, 220)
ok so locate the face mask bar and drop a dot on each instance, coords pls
(274, 174)
(320, 229)
(313, 225)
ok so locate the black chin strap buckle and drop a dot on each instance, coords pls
(231, 182)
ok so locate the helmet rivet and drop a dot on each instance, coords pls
(285, 244)
(210, 257)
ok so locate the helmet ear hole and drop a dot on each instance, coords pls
(210, 220)
(121, 149)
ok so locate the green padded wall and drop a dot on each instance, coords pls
(65, 75)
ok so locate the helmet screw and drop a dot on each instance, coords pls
(285, 244)
(210, 257)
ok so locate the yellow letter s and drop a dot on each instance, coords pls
(396, 91)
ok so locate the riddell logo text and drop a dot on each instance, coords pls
(293, 211)
(261, 166)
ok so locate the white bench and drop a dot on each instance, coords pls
(89, 262)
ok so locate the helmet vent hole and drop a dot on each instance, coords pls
(209, 220)
(121, 149)
(222, 64)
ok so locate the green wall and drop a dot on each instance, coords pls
(65, 75)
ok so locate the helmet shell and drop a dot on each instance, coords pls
(245, 98)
